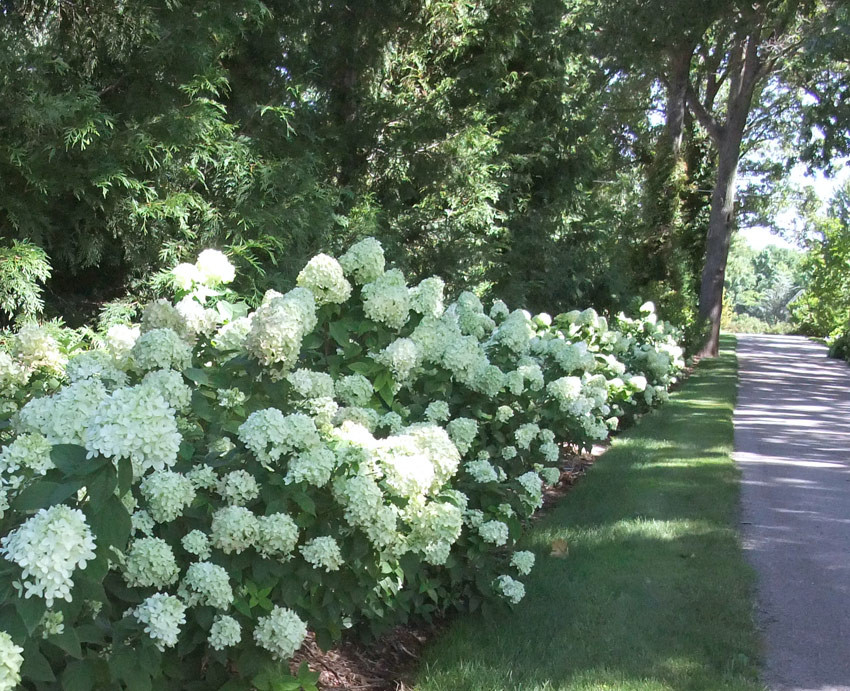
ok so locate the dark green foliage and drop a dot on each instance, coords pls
(23, 268)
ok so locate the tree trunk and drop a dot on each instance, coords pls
(718, 240)
(680, 72)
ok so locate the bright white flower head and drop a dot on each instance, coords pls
(354, 390)
(515, 332)
(185, 276)
(550, 475)
(206, 584)
(161, 349)
(523, 562)
(234, 529)
(278, 327)
(323, 276)
(170, 385)
(427, 297)
(167, 494)
(463, 431)
(37, 349)
(238, 487)
(270, 434)
(437, 411)
(512, 590)
(63, 418)
(225, 632)
(28, 451)
(533, 485)
(119, 341)
(323, 552)
(214, 268)
(10, 663)
(49, 546)
(162, 616)
(494, 532)
(481, 471)
(313, 466)
(232, 336)
(150, 563)
(199, 320)
(402, 356)
(97, 364)
(161, 314)
(198, 543)
(281, 633)
(387, 299)
(310, 384)
(364, 261)
(277, 535)
(202, 477)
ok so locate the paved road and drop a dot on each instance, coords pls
(792, 442)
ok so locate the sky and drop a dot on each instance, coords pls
(760, 237)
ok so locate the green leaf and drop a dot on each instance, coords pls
(44, 494)
(339, 332)
(71, 460)
(125, 475)
(196, 375)
(67, 641)
(78, 676)
(110, 523)
(35, 666)
(305, 502)
(30, 610)
(102, 486)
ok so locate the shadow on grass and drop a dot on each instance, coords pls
(654, 593)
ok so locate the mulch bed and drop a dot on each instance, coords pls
(390, 662)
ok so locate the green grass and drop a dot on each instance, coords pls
(654, 594)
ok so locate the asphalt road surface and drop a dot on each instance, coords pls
(792, 443)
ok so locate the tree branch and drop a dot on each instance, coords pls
(706, 119)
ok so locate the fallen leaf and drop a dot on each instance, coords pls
(560, 548)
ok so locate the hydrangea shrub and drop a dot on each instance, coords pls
(209, 487)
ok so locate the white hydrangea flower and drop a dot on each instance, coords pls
(184, 276)
(169, 384)
(481, 471)
(392, 421)
(533, 485)
(463, 431)
(277, 535)
(433, 523)
(281, 633)
(402, 357)
(97, 364)
(119, 341)
(427, 297)
(52, 623)
(161, 314)
(471, 317)
(202, 477)
(366, 417)
(63, 418)
(494, 532)
(364, 261)
(512, 590)
(49, 546)
(161, 349)
(473, 517)
(270, 434)
(439, 449)
(515, 332)
(206, 584)
(550, 475)
(523, 562)
(533, 375)
(323, 552)
(310, 384)
(232, 336)
(233, 529)
(167, 493)
(504, 413)
(225, 632)
(162, 616)
(278, 327)
(525, 434)
(150, 563)
(35, 348)
(13, 375)
(214, 268)
(323, 276)
(198, 320)
(197, 542)
(313, 466)
(499, 311)
(366, 508)
(30, 452)
(141, 522)
(550, 452)
(387, 299)
(354, 390)
(509, 452)
(437, 411)
(238, 487)
(10, 663)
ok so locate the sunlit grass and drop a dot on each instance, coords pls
(654, 594)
